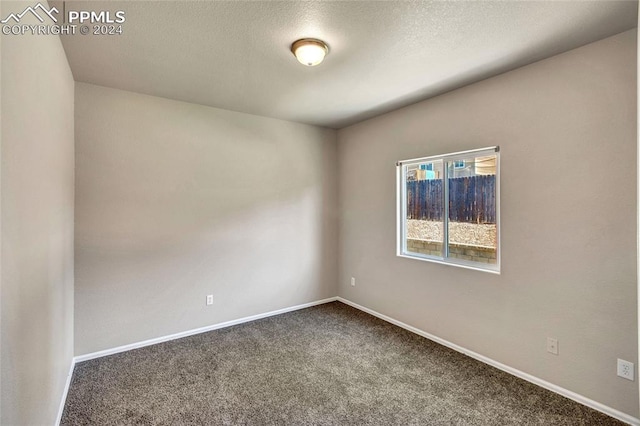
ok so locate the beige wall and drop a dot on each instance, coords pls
(175, 201)
(566, 127)
(37, 226)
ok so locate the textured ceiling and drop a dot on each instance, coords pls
(383, 55)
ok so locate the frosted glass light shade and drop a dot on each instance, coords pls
(309, 51)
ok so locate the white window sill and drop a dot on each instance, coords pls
(492, 269)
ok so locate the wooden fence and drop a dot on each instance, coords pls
(471, 199)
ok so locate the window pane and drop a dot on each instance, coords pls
(424, 208)
(472, 209)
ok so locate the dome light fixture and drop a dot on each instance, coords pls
(309, 51)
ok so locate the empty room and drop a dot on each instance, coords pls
(318, 213)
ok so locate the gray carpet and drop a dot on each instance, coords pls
(326, 365)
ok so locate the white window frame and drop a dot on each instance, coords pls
(401, 220)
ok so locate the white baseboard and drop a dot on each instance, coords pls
(187, 333)
(521, 374)
(513, 371)
(63, 400)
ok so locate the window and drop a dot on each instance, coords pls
(426, 166)
(448, 209)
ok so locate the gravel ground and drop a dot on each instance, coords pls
(459, 232)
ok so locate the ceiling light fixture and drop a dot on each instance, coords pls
(309, 51)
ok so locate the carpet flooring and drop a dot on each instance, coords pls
(326, 365)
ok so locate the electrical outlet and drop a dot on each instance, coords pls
(552, 345)
(209, 299)
(625, 369)
(353, 282)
